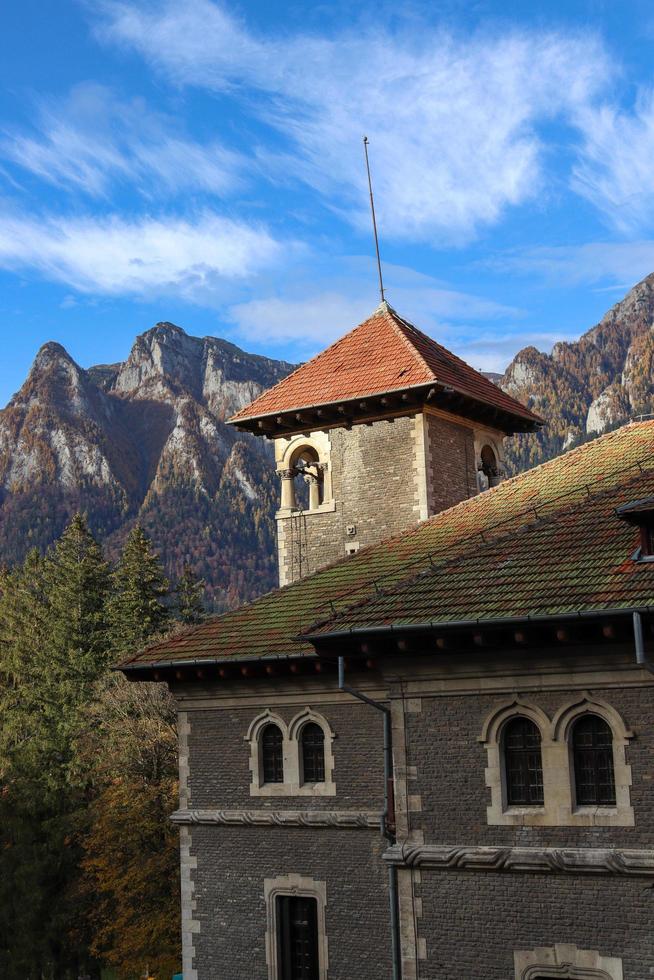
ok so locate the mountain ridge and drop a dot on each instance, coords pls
(144, 440)
(588, 386)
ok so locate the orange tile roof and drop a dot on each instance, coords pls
(383, 354)
(563, 509)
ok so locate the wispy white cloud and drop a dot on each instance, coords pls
(116, 256)
(615, 264)
(314, 303)
(615, 171)
(454, 121)
(91, 139)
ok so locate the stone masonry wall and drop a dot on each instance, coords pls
(225, 912)
(232, 864)
(374, 480)
(442, 743)
(381, 475)
(472, 923)
(219, 759)
(451, 468)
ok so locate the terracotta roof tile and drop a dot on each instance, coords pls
(384, 353)
(550, 525)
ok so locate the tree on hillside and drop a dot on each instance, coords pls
(131, 860)
(136, 609)
(189, 594)
(130, 848)
(53, 649)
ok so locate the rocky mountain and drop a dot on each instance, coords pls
(146, 440)
(590, 386)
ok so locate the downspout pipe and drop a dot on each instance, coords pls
(387, 826)
(639, 644)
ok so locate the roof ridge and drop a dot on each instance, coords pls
(485, 496)
(399, 324)
(450, 562)
(313, 360)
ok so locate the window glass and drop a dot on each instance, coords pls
(272, 754)
(297, 937)
(592, 745)
(523, 765)
(313, 753)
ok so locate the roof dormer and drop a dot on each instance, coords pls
(640, 513)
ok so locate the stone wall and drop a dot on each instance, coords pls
(226, 866)
(473, 922)
(451, 466)
(450, 776)
(232, 866)
(219, 758)
(461, 917)
(385, 477)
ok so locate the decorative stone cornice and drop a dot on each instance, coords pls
(555, 860)
(319, 819)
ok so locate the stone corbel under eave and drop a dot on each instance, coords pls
(319, 819)
(565, 860)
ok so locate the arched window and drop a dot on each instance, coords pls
(272, 755)
(523, 765)
(488, 468)
(308, 479)
(313, 753)
(592, 751)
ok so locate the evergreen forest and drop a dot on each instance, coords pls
(89, 880)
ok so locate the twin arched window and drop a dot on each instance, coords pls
(312, 754)
(591, 745)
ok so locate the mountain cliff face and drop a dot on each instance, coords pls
(146, 440)
(585, 388)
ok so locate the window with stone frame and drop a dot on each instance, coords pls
(291, 758)
(568, 770)
(523, 764)
(592, 755)
(312, 748)
(272, 754)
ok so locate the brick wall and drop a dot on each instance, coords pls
(472, 923)
(450, 774)
(219, 759)
(229, 892)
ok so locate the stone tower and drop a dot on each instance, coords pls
(379, 431)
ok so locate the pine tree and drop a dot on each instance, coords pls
(189, 595)
(136, 609)
(53, 650)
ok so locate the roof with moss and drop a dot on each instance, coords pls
(546, 540)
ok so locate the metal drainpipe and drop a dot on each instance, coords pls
(639, 643)
(386, 830)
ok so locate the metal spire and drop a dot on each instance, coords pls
(374, 220)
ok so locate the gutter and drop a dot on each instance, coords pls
(388, 818)
(435, 624)
(639, 644)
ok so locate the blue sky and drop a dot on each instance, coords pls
(201, 162)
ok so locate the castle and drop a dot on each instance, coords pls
(429, 753)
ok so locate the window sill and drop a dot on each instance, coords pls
(292, 789)
(327, 508)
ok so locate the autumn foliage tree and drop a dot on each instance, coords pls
(88, 862)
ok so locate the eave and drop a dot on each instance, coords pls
(558, 629)
(366, 647)
(395, 403)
